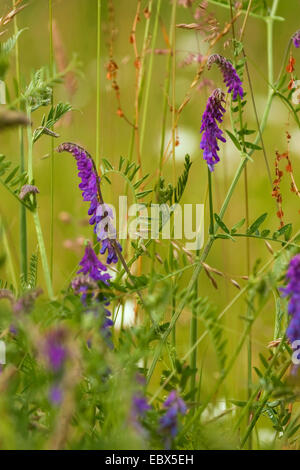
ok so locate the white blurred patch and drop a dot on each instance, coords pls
(128, 315)
(217, 409)
(2, 92)
(266, 436)
(295, 142)
(189, 141)
(278, 114)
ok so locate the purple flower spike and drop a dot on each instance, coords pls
(55, 349)
(211, 132)
(91, 265)
(169, 421)
(101, 216)
(296, 39)
(140, 405)
(87, 174)
(111, 252)
(139, 409)
(55, 395)
(93, 271)
(292, 290)
(231, 78)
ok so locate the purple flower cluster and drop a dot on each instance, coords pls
(90, 187)
(169, 421)
(140, 406)
(56, 395)
(87, 174)
(101, 218)
(211, 132)
(92, 271)
(55, 349)
(231, 78)
(92, 266)
(106, 231)
(292, 290)
(296, 39)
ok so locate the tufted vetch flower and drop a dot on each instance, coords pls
(92, 266)
(296, 39)
(93, 271)
(169, 421)
(292, 291)
(230, 75)
(55, 349)
(211, 132)
(91, 192)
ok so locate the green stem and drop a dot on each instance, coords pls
(23, 221)
(9, 255)
(35, 214)
(140, 83)
(30, 147)
(98, 85)
(194, 336)
(249, 312)
(166, 91)
(43, 254)
(51, 57)
(149, 75)
(211, 207)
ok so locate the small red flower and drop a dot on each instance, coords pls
(290, 68)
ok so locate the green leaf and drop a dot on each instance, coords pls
(252, 146)
(234, 140)
(143, 194)
(264, 361)
(122, 160)
(246, 132)
(257, 224)
(107, 164)
(265, 233)
(140, 181)
(11, 175)
(221, 224)
(285, 230)
(225, 236)
(183, 179)
(238, 225)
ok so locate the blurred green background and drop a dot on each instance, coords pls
(76, 27)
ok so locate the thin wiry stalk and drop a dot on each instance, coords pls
(10, 260)
(52, 168)
(167, 90)
(173, 141)
(98, 106)
(23, 221)
(249, 313)
(36, 219)
(174, 93)
(98, 93)
(149, 75)
(139, 88)
(194, 319)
